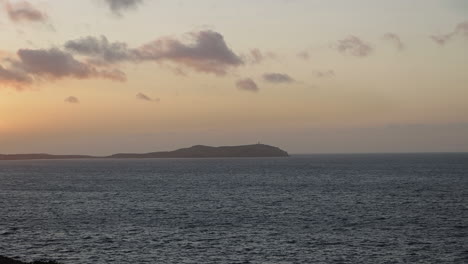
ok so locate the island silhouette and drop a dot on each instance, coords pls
(198, 151)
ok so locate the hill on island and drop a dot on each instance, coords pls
(199, 151)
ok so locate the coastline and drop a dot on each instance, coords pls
(198, 151)
(6, 260)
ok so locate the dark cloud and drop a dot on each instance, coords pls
(100, 49)
(395, 40)
(144, 97)
(207, 53)
(353, 45)
(277, 78)
(72, 100)
(56, 64)
(51, 64)
(24, 12)
(118, 6)
(247, 85)
(461, 30)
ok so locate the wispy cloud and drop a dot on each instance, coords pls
(395, 40)
(354, 46)
(256, 56)
(324, 74)
(461, 30)
(304, 55)
(144, 97)
(72, 100)
(277, 78)
(247, 85)
(23, 11)
(441, 39)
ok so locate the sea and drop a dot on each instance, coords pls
(353, 208)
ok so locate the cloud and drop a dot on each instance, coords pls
(354, 46)
(24, 12)
(72, 100)
(56, 64)
(118, 6)
(247, 85)
(324, 74)
(461, 30)
(208, 52)
(113, 75)
(277, 78)
(144, 97)
(304, 55)
(52, 63)
(100, 49)
(32, 65)
(17, 79)
(256, 56)
(395, 40)
(441, 39)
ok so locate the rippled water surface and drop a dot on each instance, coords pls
(408, 208)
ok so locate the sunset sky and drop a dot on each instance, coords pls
(309, 76)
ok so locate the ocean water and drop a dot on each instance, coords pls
(392, 208)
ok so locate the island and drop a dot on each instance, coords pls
(198, 151)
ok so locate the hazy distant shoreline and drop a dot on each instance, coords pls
(199, 151)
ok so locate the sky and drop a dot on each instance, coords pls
(310, 76)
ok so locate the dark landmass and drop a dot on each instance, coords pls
(247, 151)
(42, 157)
(5, 260)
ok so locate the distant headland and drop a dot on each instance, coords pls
(199, 151)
